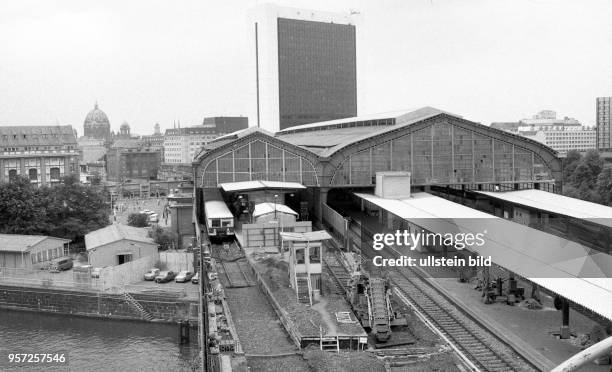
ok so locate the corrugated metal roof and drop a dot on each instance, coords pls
(241, 133)
(558, 204)
(267, 208)
(326, 138)
(23, 243)
(572, 270)
(116, 232)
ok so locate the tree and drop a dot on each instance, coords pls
(164, 237)
(68, 210)
(595, 163)
(604, 185)
(587, 193)
(138, 220)
(570, 162)
(96, 180)
(571, 191)
(582, 175)
(20, 209)
(74, 209)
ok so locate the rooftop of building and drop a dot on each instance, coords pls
(342, 132)
(276, 11)
(269, 208)
(22, 243)
(230, 137)
(114, 233)
(43, 135)
(96, 117)
(196, 129)
(222, 119)
(127, 143)
(325, 138)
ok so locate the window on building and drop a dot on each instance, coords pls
(299, 256)
(33, 174)
(315, 254)
(12, 174)
(55, 174)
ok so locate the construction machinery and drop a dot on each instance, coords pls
(369, 298)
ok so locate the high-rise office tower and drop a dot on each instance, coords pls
(604, 123)
(305, 68)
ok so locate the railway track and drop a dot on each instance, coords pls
(236, 274)
(338, 273)
(480, 348)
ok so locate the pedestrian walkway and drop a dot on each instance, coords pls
(125, 207)
(532, 328)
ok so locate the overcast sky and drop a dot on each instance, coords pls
(159, 61)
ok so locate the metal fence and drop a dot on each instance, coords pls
(82, 281)
(336, 223)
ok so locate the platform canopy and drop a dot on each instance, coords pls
(572, 270)
(310, 236)
(268, 208)
(556, 203)
(260, 185)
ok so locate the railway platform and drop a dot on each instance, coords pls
(533, 332)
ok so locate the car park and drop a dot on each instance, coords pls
(151, 274)
(165, 277)
(183, 277)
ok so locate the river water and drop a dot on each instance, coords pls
(95, 344)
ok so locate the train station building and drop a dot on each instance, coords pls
(453, 165)
(438, 149)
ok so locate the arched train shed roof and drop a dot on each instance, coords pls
(328, 144)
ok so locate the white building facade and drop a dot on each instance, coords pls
(562, 135)
(182, 144)
(563, 139)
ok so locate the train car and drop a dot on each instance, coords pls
(219, 219)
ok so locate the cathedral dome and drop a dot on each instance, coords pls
(96, 124)
(96, 117)
(124, 126)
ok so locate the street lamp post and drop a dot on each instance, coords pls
(276, 219)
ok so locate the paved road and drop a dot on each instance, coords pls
(127, 206)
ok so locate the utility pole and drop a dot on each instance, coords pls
(203, 311)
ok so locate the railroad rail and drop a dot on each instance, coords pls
(338, 273)
(235, 274)
(479, 347)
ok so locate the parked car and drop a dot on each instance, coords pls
(165, 277)
(183, 277)
(59, 264)
(95, 273)
(151, 274)
(196, 278)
